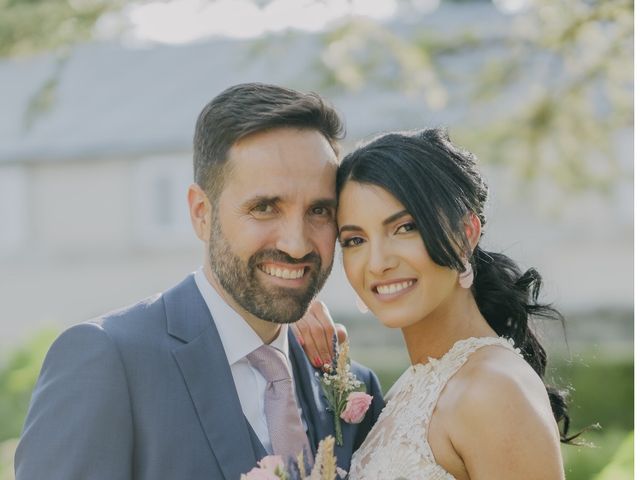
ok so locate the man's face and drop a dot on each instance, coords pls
(273, 229)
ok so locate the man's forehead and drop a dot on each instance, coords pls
(270, 176)
(288, 147)
(283, 180)
(327, 199)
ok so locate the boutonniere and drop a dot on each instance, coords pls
(273, 467)
(345, 394)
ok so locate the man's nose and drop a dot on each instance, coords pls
(294, 238)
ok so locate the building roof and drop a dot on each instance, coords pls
(108, 99)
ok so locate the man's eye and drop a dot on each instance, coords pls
(321, 211)
(406, 227)
(351, 242)
(263, 208)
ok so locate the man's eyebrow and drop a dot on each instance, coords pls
(325, 202)
(260, 200)
(386, 221)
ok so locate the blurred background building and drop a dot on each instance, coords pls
(95, 159)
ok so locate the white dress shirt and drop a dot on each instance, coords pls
(239, 340)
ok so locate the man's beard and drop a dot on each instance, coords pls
(273, 304)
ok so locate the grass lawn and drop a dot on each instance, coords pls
(601, 392)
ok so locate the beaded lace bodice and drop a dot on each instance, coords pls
(397, 445)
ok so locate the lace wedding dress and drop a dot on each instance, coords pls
(397, 445)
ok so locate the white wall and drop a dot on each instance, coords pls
(87, 250)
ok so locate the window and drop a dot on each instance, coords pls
(161, 214)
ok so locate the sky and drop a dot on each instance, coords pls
(185, 21)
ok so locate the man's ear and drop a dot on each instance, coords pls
(200, 211)
(473, 230)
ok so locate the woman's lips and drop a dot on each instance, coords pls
(393, 289)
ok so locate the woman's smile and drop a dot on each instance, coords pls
(393, 289)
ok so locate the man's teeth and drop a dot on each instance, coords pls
(393, 287)
(286, 273)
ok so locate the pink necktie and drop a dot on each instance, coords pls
(287, 434)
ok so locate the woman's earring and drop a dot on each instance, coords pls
(465, 279)
(362, 307)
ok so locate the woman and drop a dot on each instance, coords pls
(473, 404)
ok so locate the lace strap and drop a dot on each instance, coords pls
(462, 349)
(459, 353)
(446, 367)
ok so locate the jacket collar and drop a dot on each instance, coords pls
(203, 364)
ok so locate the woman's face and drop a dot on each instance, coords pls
(385, 259)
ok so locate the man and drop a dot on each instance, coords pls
(180, 386)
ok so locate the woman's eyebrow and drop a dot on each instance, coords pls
(395, 217)
(386, 221)
(349, 228)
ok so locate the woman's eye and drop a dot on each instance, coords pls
(351, 242)
(406, 227)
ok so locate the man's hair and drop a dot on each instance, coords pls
(249, 108)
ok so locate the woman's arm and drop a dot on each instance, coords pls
(504, 427)
(315, 333)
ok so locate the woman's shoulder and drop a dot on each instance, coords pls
(495, 375)
(498, 398)
(497, 388)
(496, 416)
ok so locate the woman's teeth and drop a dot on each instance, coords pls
(286, 273)
(393, 287)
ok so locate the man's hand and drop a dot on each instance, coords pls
(315, 331)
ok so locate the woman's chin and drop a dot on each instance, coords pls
(396, 320)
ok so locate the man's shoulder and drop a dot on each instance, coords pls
(144, 319)
(113, 330)
(131, 316)
(363, 372)
(139, 316)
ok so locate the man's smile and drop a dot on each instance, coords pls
(282, 271)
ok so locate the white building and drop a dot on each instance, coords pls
(93, 210)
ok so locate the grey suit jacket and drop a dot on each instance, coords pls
(146, 393)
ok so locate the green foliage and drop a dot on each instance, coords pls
(549, 102)
(17, 378)
(586, 461)
(601, 391)
(362, 52)
(549, 98)
(621, 467)
(29, 26)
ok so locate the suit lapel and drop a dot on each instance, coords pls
(312, 401)
(309, 401)
(205, 369)
(315, 407)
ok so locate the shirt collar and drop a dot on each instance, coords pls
(238, 338)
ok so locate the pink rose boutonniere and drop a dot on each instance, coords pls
(343, 391)
(357, 405)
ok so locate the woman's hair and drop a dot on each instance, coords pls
(439, 184)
